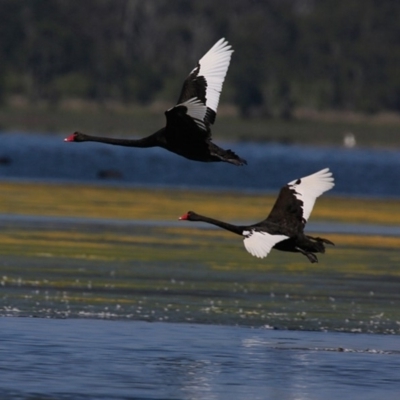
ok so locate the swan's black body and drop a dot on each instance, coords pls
(194, 148)
(188, 128)
(283, 229)
(297, 241)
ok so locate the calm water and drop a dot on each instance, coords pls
(357, 171)
(91, 359)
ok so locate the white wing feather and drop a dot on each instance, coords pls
(259, 243)
(214, 66)
(307, 189)
(196, 110)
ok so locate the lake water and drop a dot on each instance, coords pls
(121, 356)
(111, 352)
(366, 172)
(92, 359)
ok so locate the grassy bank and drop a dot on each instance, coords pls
(159, 204)
(135, 121)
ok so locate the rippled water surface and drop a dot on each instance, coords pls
(92, 359)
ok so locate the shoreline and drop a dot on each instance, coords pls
(309, 127)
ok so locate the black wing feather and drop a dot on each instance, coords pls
(287, 210)
(182, 127)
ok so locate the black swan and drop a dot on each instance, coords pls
(188, 127)
(283, 229)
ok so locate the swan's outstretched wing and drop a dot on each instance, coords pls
(296, 199)
(205, 80)
(259, 243)
(188, 133)
(187, 121)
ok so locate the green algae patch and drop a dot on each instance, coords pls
(189, 272)
(167, 205)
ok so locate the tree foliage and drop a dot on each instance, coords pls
(341, 54)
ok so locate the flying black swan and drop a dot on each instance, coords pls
(188, 127)
(283, 229)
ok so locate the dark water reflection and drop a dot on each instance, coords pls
(358, 171)
(89, 359)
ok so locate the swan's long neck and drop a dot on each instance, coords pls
(150, 141)
(224, 225)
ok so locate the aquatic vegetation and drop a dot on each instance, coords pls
(162, 204)
(185, 274)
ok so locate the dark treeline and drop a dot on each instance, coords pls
(331, 54)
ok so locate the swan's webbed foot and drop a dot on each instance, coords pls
(311, 256)
(318, 239)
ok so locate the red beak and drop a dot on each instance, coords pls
(184, 217)
(70, 138)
